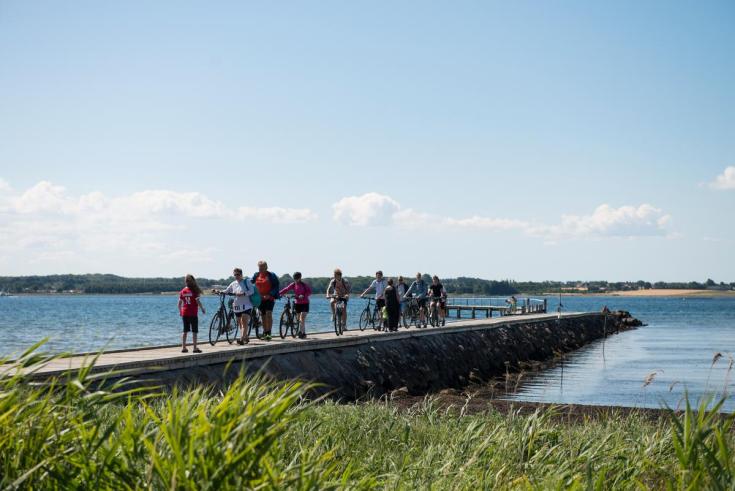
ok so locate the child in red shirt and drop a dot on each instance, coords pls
(189, 304)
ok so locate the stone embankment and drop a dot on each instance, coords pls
(422, 363)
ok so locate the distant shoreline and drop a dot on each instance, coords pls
(653, 292)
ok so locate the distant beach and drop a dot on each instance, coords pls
(654, 292)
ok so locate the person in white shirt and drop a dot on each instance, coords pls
(379, 283)
(241, 288)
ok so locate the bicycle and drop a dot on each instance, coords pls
(223, 322)
(255, 323)
(434, 318)
(290, 320)
(413, 311)
(339, 310)
(370, 315)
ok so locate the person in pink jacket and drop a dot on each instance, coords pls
(301, 292)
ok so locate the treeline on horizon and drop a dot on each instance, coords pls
(112, 284)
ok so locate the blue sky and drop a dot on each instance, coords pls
(524, 140)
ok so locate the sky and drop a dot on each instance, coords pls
(519, 140)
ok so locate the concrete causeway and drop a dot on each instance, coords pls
(166, 358)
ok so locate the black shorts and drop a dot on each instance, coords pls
(267, 305)
(302, 307)
(380, 302)
(191, 323)
(422, 302)
(244, 312)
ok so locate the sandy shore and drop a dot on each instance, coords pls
(674, 293)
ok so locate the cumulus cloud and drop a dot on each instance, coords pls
(643, 220)
(368, 209)
(726, 180)
(607, 221)
(48, 222)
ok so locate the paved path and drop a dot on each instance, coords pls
(142, 360)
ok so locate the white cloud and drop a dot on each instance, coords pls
(607, 221)
(45, 222)
(726, 180)
(368, 209)
(604, 222)
(277, 215)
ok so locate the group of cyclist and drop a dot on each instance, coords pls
(262, 290)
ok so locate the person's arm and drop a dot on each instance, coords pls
(181, 303)
(329, 288)
(408, 290)
(308, 290)
(274, 285)
(373, 284)
(249, 287)
(288, 288)
(348, 287)
(201, 306)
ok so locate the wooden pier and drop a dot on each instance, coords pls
(524, 306)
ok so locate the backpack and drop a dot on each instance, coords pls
(255, 298)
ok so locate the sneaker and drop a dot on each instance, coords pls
(197, 350)
(302, 335)
(267, 337)
(184, 350)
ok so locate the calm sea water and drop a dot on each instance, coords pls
(678, 344)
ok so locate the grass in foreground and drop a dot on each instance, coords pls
(260, 434)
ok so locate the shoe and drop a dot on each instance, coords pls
(243, 341)
(184, 350)
(302, 335)
(197, 350)
(267, 337)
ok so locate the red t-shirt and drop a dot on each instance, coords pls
(263, 284)
(189, 304)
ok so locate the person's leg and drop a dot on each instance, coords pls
(183, 335)
(268, 321)
(245, 326)
(194, 332)
(302, 321)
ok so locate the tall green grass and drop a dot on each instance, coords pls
(259, 434)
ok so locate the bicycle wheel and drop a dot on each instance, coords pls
(337, 321)
(232, 328)
(215, 328)
(254, 325)
(364, 319)
(284, 324)
(434, 317)
(295, 325)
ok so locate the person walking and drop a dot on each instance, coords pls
(379, 283)
(189, 305)
(267, 284)
(401, 288)
(302, 292)
(242, 289)
(392, 305)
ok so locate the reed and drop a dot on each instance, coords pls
(80, 432)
